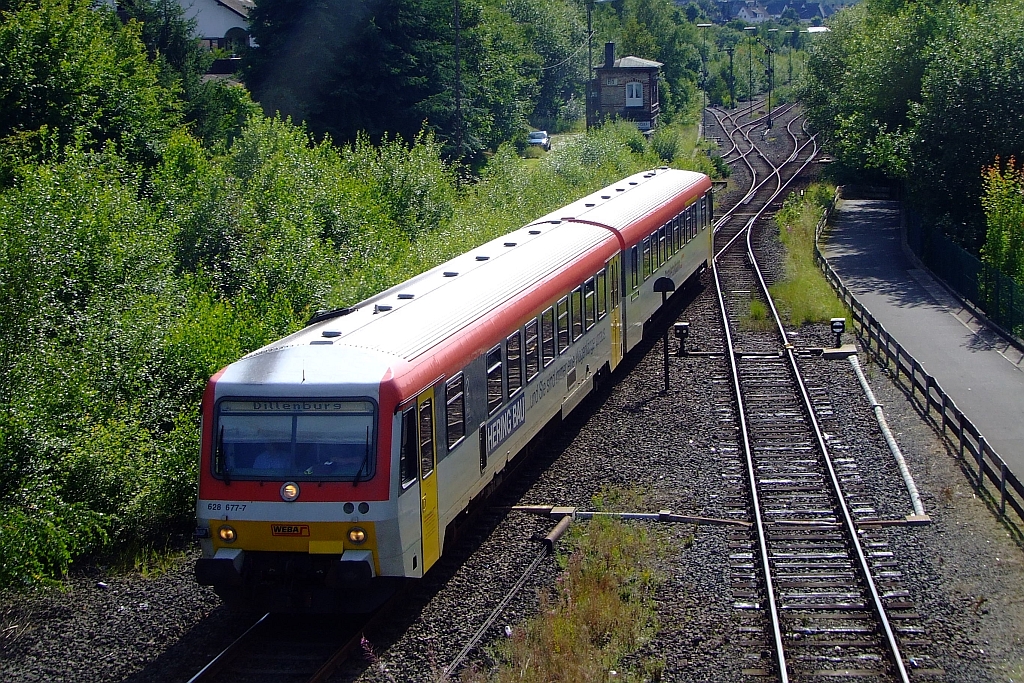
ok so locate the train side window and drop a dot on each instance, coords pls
(662, 246)
(456, 410)
(532, 351)
(692, 215)
(407, 460)
(562, 310)
(577, 313)
(602, 294)
(647, 258)
(426, 438)
(678, 233)
(494, 391)
(634, 268)
(514, 358)
(547, 336)
(613, 285)
(671, 238)
(589, 303)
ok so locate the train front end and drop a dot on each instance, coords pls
(294, 510)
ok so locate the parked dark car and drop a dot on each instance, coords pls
(540, 137)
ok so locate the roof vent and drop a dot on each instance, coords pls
(510, 244)
(450, 273)
(535, 232)
(606, 196)
(632, 182)
(331, 333)
(405, 297)
(620, 189)
(381, 308)
(321, 342)
(590, 205)
(482, 258)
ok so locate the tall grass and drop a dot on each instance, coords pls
(804, 296)
(600, 611)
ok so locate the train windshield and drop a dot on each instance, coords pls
(329, 440)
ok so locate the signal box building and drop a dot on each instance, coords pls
(625, 88)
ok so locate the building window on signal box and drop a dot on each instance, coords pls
(634, 94)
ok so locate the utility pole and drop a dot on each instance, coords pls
(750, 69)
(704, 78)
(770, 73)
(792, 41)
(732, 78)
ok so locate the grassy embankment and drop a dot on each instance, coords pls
(803, 296)
(600, 612)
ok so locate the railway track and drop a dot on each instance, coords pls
(280, 647)
(821, 589)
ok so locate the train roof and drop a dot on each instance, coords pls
(411, 318)
(623, 204)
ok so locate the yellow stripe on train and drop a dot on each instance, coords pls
(329, 538)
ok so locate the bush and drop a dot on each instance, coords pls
(666, 143)
(121, 294)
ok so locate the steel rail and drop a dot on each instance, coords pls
(777, 172)
(547, 549)
(780, 653)
(878, 607)
(779, 647)
(227, 654)
(851, 529)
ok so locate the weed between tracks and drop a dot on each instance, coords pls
(804, 296)
(600, 611)
(757, 319)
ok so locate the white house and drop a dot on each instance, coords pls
(753, 14)
(220, 23)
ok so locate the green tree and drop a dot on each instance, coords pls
(971, 107)
(863, 79)
(388, 67)
(553, 34)
(72, 75)
(1003, 201)
(215, 110)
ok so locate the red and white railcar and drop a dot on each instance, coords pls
(334, 460)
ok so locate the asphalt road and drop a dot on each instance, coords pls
(982, 373)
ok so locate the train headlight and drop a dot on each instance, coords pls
(356, 535)
(289, 491)
(227, 534)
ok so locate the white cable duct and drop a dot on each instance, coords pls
(915, 497)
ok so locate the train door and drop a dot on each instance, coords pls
(614, 297)
(428, 478)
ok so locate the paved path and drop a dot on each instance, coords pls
(982, 373)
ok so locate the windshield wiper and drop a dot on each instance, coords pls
(366, 461)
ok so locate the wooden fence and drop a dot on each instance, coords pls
(938, 407)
